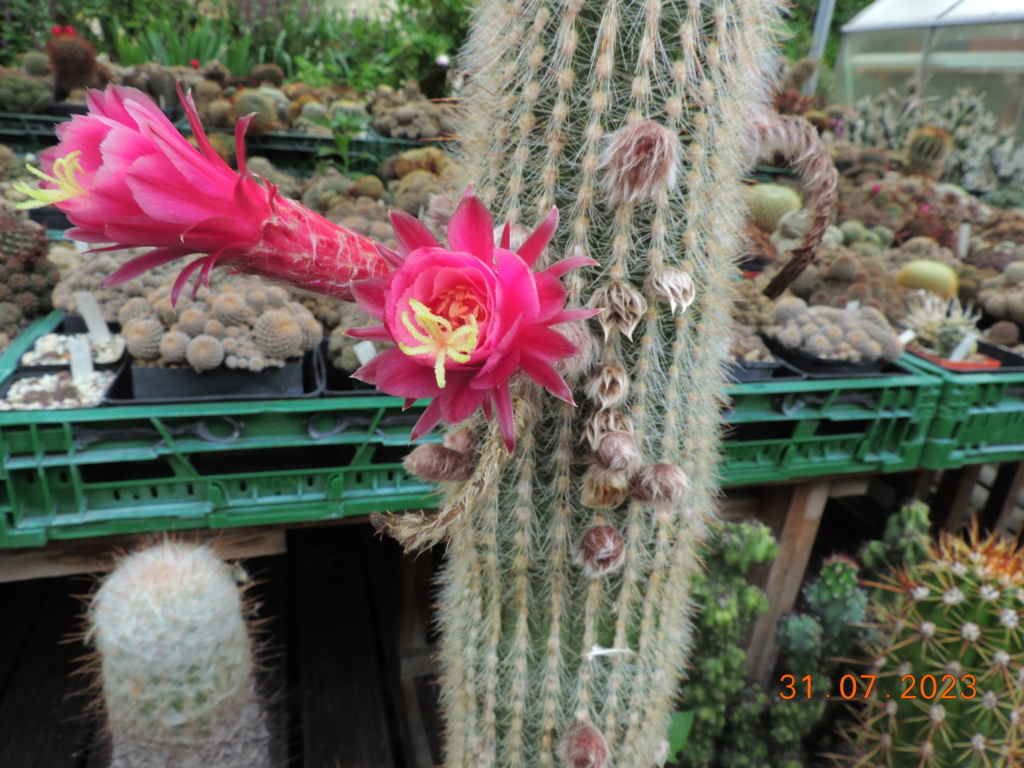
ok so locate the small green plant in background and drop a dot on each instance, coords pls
(345, 126)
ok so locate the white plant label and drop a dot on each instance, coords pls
(365, 351)
(963, 240)
(92, 314)
(80, 352)
(907, 336)
(853, 306)
(963, 349)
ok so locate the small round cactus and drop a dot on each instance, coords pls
(231, 308)
(142, 337)
(176, 662)
(173, 346)
(278, 334)
(768, 203)
(192, 320)
(204, 353)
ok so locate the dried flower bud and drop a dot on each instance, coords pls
(617, 451)
(601, 550)
(579, 334)
(463, 441)
(603, 422)
(624, 306)
(583, 746)
(609, 386)
(604, 488)
(674, 287)
(436, 463)
(640, 162)
(660, 483)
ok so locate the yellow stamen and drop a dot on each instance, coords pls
(65, 170)
(437, 338)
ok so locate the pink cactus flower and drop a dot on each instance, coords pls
(124, 174)
(876, 188)
(925, 208)
(466, 319)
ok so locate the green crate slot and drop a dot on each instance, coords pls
(782, 430)
(980, 418)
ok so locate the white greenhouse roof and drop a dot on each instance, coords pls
(901, 14)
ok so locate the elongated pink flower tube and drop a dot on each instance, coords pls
(465, 320)
(123, 174)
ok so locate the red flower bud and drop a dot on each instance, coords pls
(55, 30)
(194, 63)
(69, 30)
(583, 746)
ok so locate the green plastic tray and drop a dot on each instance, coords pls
(980, 418)
(782, 430)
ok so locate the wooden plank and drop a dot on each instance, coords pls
(786, 575)
(345, 721)
(43, 720)
(953, 497)
(96, 555)
(1004, 495)
(848, 486)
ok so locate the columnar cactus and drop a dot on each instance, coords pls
(636, 119)
(952, 624)
(176, 663)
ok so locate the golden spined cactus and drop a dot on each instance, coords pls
(566, 597)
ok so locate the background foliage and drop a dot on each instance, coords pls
(302, 36)
(802, 24)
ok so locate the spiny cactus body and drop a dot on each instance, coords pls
(953, 619)
(542, 646)
(176, 663)
(927, 150)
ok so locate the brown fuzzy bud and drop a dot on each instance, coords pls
(435, 463)
(640, 162)
(617, 451)
(603, 422)
(583, 746)
(624, 307)
(604, 488)
(609, 386)
(579, 334)
(674, 287)
(463, 441)
(601, 550)
(660, 483)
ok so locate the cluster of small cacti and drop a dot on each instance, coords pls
(418, 176)
(864, 240)
(859, 165)
(860, 335)
(910, 207)
(841, 276)
(1007, 198)
(244, 325)
(27, 277)
(408, 114)
(940, 324)
(906, 541)
(945, 662)
(748, 347)
(72, 61)
(1001, 227)
(1002, 296)
(175, 662)
(992, 257)
(983, 157)
(23, 93)
(752, 308)
(728, 606)
(1003, 333)
(355, 205)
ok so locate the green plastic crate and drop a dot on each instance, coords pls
(789, 429)
(980, 418)
(91, 472)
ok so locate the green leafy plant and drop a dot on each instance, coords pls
(345, 126)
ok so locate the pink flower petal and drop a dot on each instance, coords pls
(431, 418)
(197, 130)
(411, 233)
(182, 279)
(539, 238)
(506, 419)
(397, 374)
(370, 296)
(546, 376)
(141, 264)
(559, 268)
(471, 229)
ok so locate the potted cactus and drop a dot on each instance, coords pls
(946, 333)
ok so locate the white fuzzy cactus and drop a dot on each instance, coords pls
(176, 663)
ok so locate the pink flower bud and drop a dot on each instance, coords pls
(925, 208)
(660, 483)
(640, 162)
(618, 451)
(436, 463)
(583, 746)
(463, 441)
(876, 188)
(600, 551)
